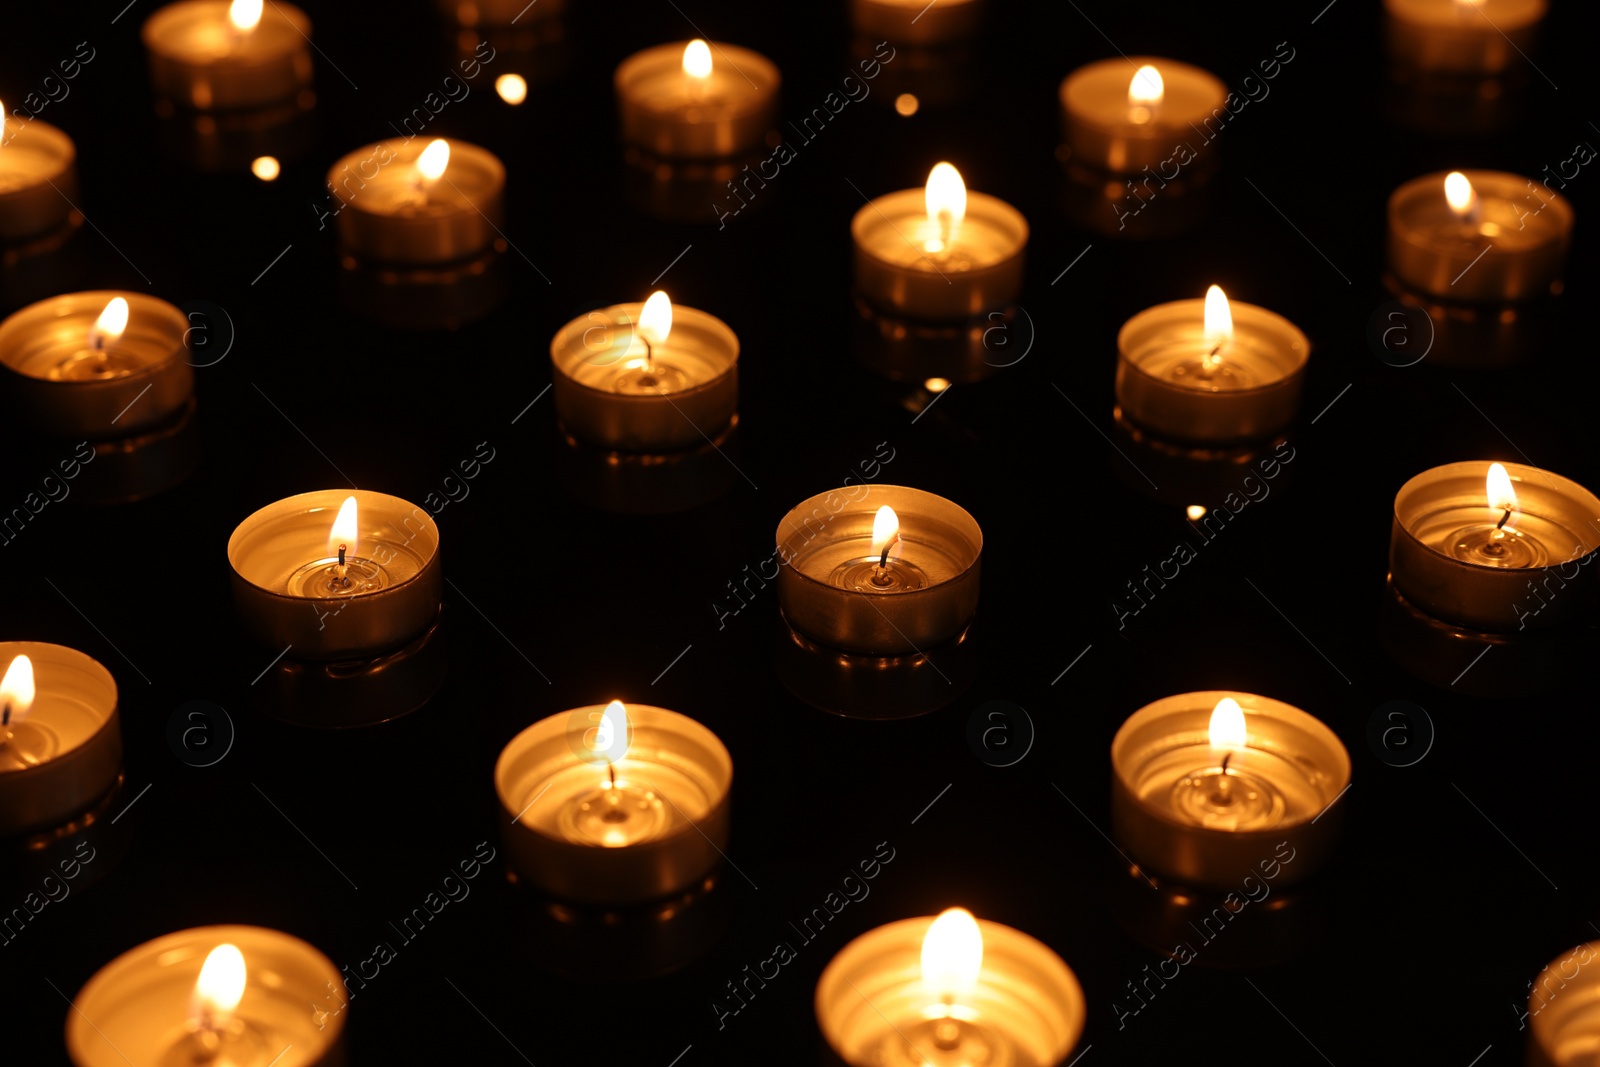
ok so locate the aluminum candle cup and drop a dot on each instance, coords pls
(38, 178)
(1169, 383)
(1472, 37)
(725, 105)
(1267, 811)
(70, 377)
(654, 829)
(138, 1008)
(877, 1006)
(284, 573)
(201, 58)
(392, 212)
(63, 750)
(1116, 121)
(834, 588)
(608, 394)
(1510, 244)
(1564, 1011)
(916, 22)
(1451, 556)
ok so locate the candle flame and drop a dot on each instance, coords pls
(1219, 318)
(513, 88)
(885, 532)
(697, 60)
(245, 14)
(655, 318)
(1146, 90)
(946, 199)
(16, 689)
(266, 168)
(109, 326)
(1459, 194)
(1502, 497)
(610, 742)
(219, 988)
(433, 161)
(1227, 725)
(952, 954)
(346, 530)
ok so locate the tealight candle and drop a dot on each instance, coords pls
(1563, 1016)
(412, 204)
(1210, 786)
(96, 364)
(336, 575)
(1124, 115)
(940, 252)
(60, 742)
(852, 580)
(916, 22)
(1483, 544)
(1475, 37)
(613, 804)
(38, 178)
(651, 377)
(949, 989)
(697, 99)
(1207, 370)
(1479, 235)
(217, 55)
(229, 996)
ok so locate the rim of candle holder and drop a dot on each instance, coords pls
(1023, 981)
(273, 957)
(196, 84)
(713, 132)
(1570, 1004)
(43, 205)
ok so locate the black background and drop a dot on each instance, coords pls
(1434, 918)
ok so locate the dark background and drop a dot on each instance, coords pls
(1433, 920)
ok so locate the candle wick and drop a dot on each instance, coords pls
(1503, 520)
(611, 770)
(1225, 758)
(341, 555)
(649, 354)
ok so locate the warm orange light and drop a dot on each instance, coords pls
(2, 124)
(1145, 93)
(697, 60)
(433, 161)
(610, 742)
(1227, 725)
(16, 690)
(513, 88)
(936, 385)
(952, 955)
(885, 532)
(109, 326)
(1502, 497)
(219, 988)
(1196, 512)
(346, 530)
(946, 199)
(266, 168)
(655, 318)
(245, 14)
(906, 104)
(1218, 319)
(1459, 194)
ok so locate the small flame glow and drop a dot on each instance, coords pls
(611, 735)
(245, 14)
(1459, 194)
(16, 688)
(219, 988)
(433, 161)
(655, 318)
(109, 326)
(346, 528)
(513, 88)
(266, 168)
(885, 532)
(1146, 90)
(1502, 497)
(1227, 725)
(1196, 512)
(1219, 318)
(952, 954)
(697, 60)
(946, 199)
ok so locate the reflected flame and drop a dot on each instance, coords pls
(697, 59)
(219, 988)
(513, 88)
(611, 735)
(952, 954)
(1219, 318)
(885, 532)
(433, 161)
(655, 318)
(1502, 497)
(109, 326)
(1459, 194)
(1146, 89)
(346, 530)
(1227, 725)
(16, 690)
(245, 14)
(946, 199)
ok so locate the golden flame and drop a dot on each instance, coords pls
(433, 161)
(266, 168)
(109, 326)
(952, 954)
(885, 531)
(1196, 512)
(513, 88)
(1459, 194)
(655, 318)
(906, 104)
(611, 735)
(946, 200)
(245, 14)
(16, 688)
(1227, 725)
(346, 530)
(1219, 318)
(697, 59)
(219, 988)
(1146, 90)
(1502, 497)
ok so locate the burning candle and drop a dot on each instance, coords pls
(336, 575)
(1482, 545)
(227, 996)
(613, 804)
(1208, 787)
(414, 204)
(939, 252)
(649, 377)
(217, 55)
(38, 177)
(1471, 37)
(697, 99)
(1126, 115)
(96, 364)
(916, 22)
(60, 742)
(1563, 1017)
(1478, 235)
(949, 989)
(1209, 370)
(879, 569)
